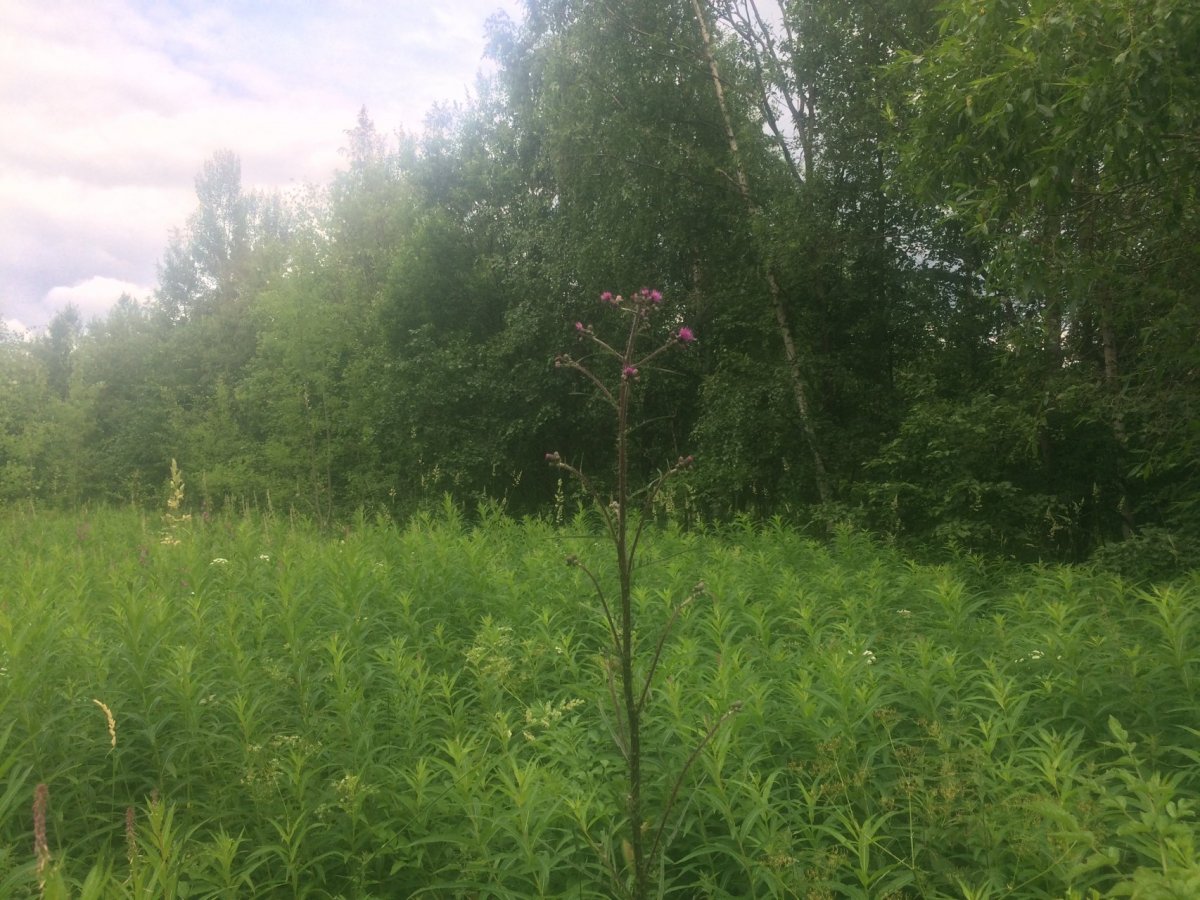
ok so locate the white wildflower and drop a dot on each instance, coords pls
(869, 657)
(219, 561)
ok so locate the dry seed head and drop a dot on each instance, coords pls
(41, 849)
(131, 833)
(110, 721)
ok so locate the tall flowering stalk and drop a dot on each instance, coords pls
(615, 374)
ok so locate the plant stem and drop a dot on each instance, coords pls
(632, 711)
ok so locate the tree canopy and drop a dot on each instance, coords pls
(941, 261)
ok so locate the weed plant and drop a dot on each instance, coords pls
(631, 664)
(415, 710)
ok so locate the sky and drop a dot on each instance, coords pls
(110, 108)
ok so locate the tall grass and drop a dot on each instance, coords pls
(422, 710)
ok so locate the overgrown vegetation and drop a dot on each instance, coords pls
(943, 262)
(422, 710)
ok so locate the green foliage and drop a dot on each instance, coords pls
(976, 222)
(1153, 554)
(1026, 98)
(421, 710)
(749, 464)
(1060, 132)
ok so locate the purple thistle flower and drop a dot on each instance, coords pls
(655, 297)
(579, 327)
(629, 373)
(607, 297)
(685, 335)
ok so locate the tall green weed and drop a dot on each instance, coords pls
(422, 710)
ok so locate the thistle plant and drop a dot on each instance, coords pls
(616, 371)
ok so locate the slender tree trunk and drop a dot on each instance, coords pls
(1108, 346)
(1112, 384)
(799, 385)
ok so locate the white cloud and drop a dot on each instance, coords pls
(111, 107)
(95, 296)
(17, 328)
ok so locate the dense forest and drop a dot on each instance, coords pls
(942, 263)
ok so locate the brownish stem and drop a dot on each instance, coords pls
(632, 711)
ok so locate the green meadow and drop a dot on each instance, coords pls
(254, 707)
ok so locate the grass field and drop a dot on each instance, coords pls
(253, 708)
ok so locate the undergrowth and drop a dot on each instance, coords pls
(422, 710)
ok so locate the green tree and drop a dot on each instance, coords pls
(615, 175)
(127, 411)
(23, 397)
(56, 348)
(234, 245)
(857, 269)
(1063, 133)
(203, 262)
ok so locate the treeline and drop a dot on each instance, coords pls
(941, 260)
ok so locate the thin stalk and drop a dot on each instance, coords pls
(632, 708)
(608, 617)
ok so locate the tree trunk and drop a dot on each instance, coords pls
(799, 385)
(1112, 384)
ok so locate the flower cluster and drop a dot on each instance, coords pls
(644, 296)
(641, 301)
(545, 715)
(1034, 656)
(632, 363)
